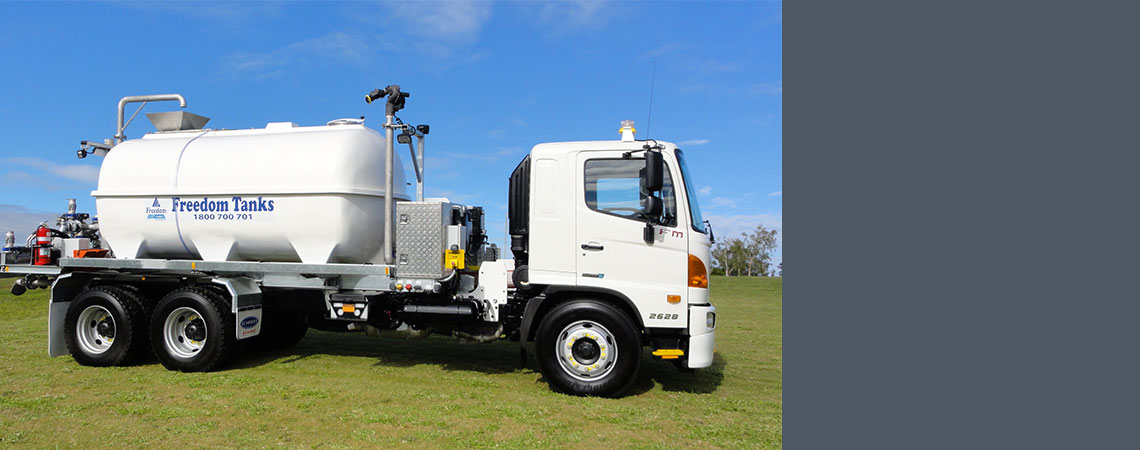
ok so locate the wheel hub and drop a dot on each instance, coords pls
(586, 350)
(196, 330)
(185, 332)
(106, 328)
(95, 330)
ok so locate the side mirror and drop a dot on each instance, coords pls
(651, 212)
(653, 207)
(653, 177)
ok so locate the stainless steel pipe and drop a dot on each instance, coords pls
(119, 137)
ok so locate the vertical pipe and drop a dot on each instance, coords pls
(420, 160)
(389, 214)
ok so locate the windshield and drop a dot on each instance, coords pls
(694, 208)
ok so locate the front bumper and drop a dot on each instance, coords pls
(702, 337)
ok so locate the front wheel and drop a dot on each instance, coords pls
(192, 330)
(586, 347)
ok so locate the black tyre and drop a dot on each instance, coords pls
(281, 330)
(587, 347)
(106, 326)
(192, 330)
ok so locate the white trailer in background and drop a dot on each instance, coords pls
(207, 238)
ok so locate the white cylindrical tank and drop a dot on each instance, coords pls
(283, 193)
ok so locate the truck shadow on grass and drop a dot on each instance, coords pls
(672, 379)
(450, 354)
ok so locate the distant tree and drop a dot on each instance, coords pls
(721, 257)
(750, 254)
(759, 245)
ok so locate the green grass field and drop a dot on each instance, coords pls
(347, 390)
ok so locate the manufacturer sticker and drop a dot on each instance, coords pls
(249, 322)
(155, 211)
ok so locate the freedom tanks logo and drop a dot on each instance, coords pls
(155, 211)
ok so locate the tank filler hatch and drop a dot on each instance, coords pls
(177, 121)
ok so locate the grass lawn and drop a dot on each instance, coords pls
(348, 390)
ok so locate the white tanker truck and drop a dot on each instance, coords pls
(210, 238)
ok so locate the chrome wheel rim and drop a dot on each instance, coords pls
(586, 350)
(95, 330)
(184, 332)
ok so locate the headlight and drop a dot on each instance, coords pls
(710, 320)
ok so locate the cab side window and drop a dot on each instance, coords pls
(613, 186)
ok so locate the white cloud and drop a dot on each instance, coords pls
(22, 220)
(693, 142)
(731, 226)
(775, 88)
(705, 190)
(335, 45)
(82, 173)
(433, 35)
(452, 21)
(723, 201)
(776, 194)
(577, 13)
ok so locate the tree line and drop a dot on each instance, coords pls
(748, 255)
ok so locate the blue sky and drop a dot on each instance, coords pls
(492, 78)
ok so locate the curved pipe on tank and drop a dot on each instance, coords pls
(119, 137)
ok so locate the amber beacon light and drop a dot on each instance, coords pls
(698, 275)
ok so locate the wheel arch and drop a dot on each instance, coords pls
(552, 296)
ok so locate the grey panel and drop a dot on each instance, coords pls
(420, 238)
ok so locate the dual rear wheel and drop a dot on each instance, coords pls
(191, 329)
(106, 326)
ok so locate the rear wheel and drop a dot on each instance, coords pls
(106, 326)
(192, 330)
(586, 347)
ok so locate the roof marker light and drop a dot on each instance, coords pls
(627, 130)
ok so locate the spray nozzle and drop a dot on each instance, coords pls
(395, 98)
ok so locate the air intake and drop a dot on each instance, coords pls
(177, 121)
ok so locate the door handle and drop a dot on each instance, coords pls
(593, 246)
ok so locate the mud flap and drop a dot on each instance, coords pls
(248, 322)
(245, 295)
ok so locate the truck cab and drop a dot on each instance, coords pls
(589, 225)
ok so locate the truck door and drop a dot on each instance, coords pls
(611, 250)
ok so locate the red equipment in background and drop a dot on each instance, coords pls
(42, 254)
